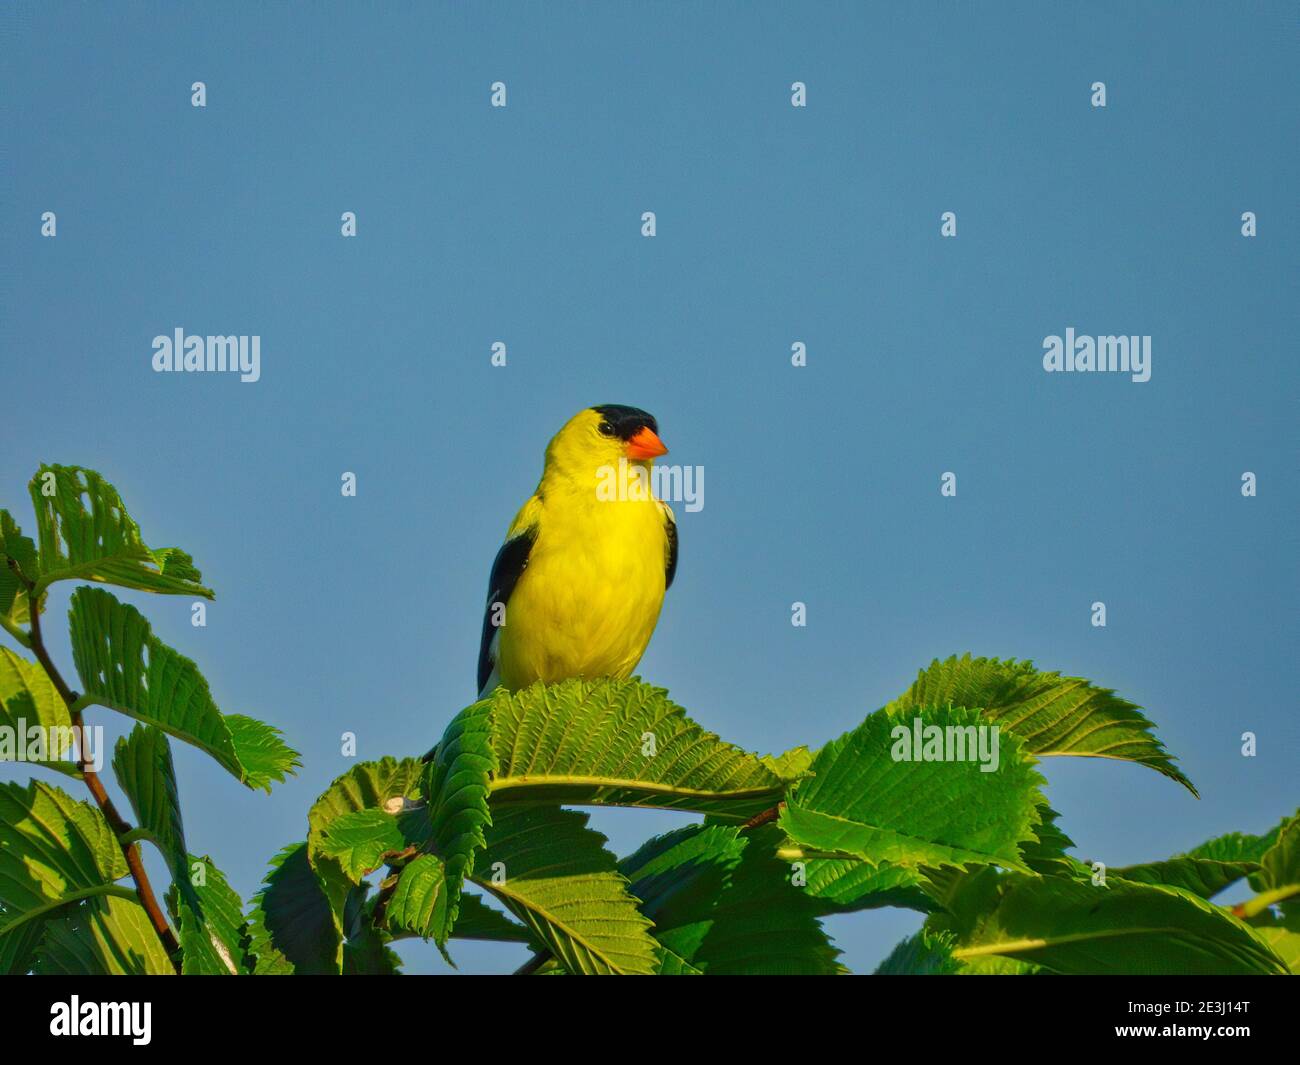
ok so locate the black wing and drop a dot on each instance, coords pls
(507, 567)
(670, 527)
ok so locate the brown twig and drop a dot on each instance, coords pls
(766, 817)
(115, 820)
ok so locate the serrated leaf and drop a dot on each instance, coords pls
(1201, 876)
(1142, 929)
(15, 605)
(388, 785)
(53, 850)
(924, 954)
(28, 700)
(212, 928)
(679, 877)
(207, 912)
(863, 801)
(1281, 861)
(291, 927)
(1236, 847)
(104, 936)
(1054, 715)
(18, 676)
(84, 533)
(419, 901)
(369, 786)
(385, 785)
(264, 758)
(621, 743)
(1047, 853)
(723, 903)
(791, 765)
(848, 885)
(124, 667)
(142, 763)
(456, 787)
(554, 874)
(359, 840)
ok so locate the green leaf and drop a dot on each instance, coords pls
(382, 787)
(367, 954)
(554, 874)
(29, 699)
(1204, 877)
(142, 763)
(1236, 847)
(619, 743)
(104, 936)
(18, 945)
(1047, 854)
(456, 786)
(419, 901)
(924, 954)
(365, 947)
(1143, 929)
(1054, 715)
(85, 534)
(1209, 868)
(964, 896)
(477, 920)
(861, 801)
(15, 608)
(359, 840)
(791, 765)
(723, 903)
(203, 906)
(212, 927)
(124, 667)
(53, 850)
(291, 926)
(387, 786)
(847, 885)
(264, 758)
(1281, 931)
(1281, 861)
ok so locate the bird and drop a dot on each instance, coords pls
(577, 586)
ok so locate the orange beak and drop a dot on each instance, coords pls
(645, 445)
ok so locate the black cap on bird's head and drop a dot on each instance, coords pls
(637, 429)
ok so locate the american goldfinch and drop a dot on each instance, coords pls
(576, 588)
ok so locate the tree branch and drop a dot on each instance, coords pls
(115, 820)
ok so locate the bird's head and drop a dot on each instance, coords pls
(599, 436)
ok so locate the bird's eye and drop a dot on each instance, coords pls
(606, 429)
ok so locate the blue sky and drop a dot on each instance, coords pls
(775, 224)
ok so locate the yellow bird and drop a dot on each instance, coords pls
(576, 588)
